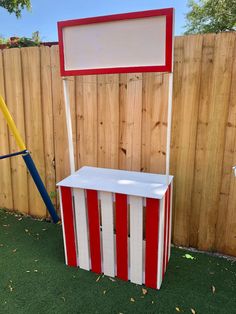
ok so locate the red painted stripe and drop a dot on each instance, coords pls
(152, 227)
(122, 236)
(69, 229)
(94, 230)
(168, 225)
(165, 234)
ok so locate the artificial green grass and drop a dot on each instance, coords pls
(34, 279)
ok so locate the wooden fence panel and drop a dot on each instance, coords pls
(15, 101)
(120, 121)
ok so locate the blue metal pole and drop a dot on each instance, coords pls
(13, 154)
(41, 188)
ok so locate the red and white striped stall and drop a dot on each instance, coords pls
(118, 223)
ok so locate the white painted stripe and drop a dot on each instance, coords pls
(63, 228)
(107, 234)
(81, 224)
(136, 239)
(171, 202)
(160, 242)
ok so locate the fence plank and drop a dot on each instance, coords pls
(226, 220)
(186, 112)
(154, 122)
(33, 122)
(46, 95)
(218, 111)
(5, 182)
(205, 98)
(130, 121)
(15, 103)
(108, 120)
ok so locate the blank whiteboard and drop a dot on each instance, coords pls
(121, 43)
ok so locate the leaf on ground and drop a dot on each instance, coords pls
(26, 230)
(104, 291)
(112, 279)
(14, 251)
(193, 311)
(1, 245)
(188, 256)
(152, 302)
(213, 288)
(10, 288)
(35, 270)
(63, 298)
(177, 309)
(144, 291)
(132, 300)
(44, 229)
(28, 271)
(98, 278)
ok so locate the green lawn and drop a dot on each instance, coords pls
(34, 279)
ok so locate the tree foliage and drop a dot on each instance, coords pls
(15, 6)
(211, 16)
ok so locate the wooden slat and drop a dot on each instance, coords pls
(47, 117)
(226, 221)
(107, 234)
(62, 167)
(5, 167)
(94, 231)
(87, 129)
(185, 108)
(81, 223)
(160, 244)
(152, 231)
(108, 120)
(15, 102)
(205, 99)
(130, 121)
(154, 122)
(121, 236)
(218, 112)
(136, 239)
(33, 122)
(67, 213)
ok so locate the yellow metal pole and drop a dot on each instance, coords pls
(11, 124)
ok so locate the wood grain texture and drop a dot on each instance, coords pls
(48, 125)
(15, 102)
(6, 200)
(185, 126)
(33, 122)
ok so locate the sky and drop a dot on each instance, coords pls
(45, 14)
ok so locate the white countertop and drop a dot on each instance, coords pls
(118, 181)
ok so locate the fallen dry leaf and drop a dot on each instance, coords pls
(152, 302)
(26, 230)
(111, 279)
(14, 251)
(144, 291)
(177, 309)
(35, 270)
(132, 300)
(104, 291)
(213, 289)
(10, 288)
(98, 278)
(193, 311)
(28, 271)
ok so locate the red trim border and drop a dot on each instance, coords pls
(117, 17)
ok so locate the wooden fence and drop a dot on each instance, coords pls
(119, 121)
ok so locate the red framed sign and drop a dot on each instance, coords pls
(121, 43)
